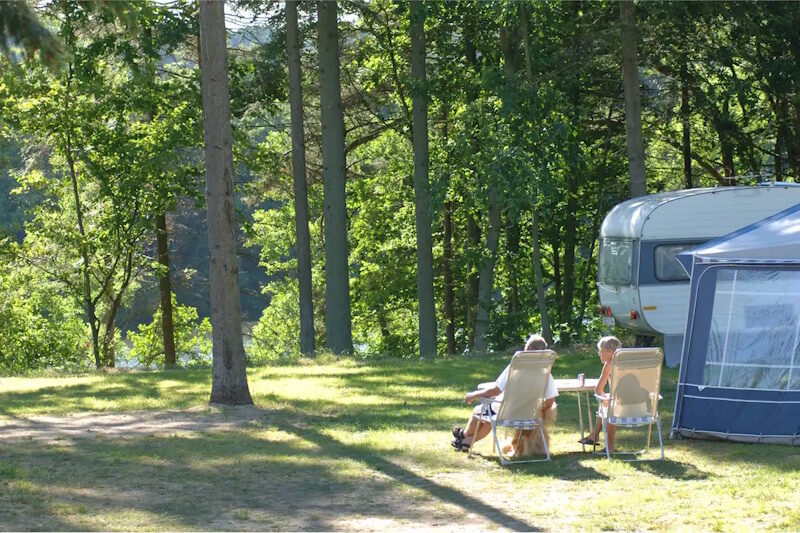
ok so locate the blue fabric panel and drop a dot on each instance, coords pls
(740, 417)
(687, 343)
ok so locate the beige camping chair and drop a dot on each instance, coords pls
(521, 405)
(633, 395)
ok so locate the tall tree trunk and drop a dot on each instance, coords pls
(537, 272)
(723, 125)
(537, 251)
(778, 156)
(686, 122)
(474, 243)
(570, 240)
(509, 43)
(109, 347)
(449, 311)
(229, 374)
(300, 182)
(165, 290)
(633, 106)
(337, 272)
(447, 257)
(88, 301)
(427, 306)
(486, 276)
(512, 238)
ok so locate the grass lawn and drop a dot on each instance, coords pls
(347, 445)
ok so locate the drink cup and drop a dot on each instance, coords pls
(582, 379)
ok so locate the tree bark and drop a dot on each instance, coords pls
(337, 273)
(723, 125)
(633, 105)
(474, 242)
(447, 260)
(686, 122)
(427, 306)
(486, 276)
(537, 251)
(307, 346)
(570, 240)
(537, 272)
(449, 307)
(165, 290)
(229, 373)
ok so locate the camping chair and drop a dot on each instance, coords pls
(521, 405)
(633, 395)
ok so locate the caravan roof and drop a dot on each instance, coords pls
(691, 213)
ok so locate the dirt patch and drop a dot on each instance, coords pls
(126, 425)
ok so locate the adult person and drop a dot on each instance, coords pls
(464, 438)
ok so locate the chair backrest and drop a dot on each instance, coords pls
(635, 382)
(526, 385)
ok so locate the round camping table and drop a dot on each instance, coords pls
(574, 385)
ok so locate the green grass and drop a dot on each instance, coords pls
(349, 445)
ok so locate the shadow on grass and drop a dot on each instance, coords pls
(307, 482)
(669, 469)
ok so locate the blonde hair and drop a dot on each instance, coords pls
(609, 343)
(535, 342)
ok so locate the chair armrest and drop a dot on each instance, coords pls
(602, 397)
(486, 405)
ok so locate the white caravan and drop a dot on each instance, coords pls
(640, 284)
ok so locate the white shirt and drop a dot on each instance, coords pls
(501, 380)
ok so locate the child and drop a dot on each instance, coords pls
(464, 438)
(605, 349)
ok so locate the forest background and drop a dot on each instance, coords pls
(502, 124)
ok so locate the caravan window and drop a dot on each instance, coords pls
(616, 260)
(755, 329)
(667, 267)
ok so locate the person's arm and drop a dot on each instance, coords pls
(482, 393)
(601, 383)
(548, 403)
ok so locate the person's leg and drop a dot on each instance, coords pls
(612, 431)
(470, 435)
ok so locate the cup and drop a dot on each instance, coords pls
(582, 379)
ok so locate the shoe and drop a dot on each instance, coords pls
(460, 445)
(458, 432)
(586, 440)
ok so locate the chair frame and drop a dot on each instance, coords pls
(533, 423)
(630, 422)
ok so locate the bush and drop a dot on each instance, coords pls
(192, 339)
(39, 328)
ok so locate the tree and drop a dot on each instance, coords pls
(536, 244)
(300, 182)
(337, 271)
(633, 105)
(427, 310)
(229, 375)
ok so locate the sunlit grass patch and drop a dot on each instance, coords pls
(362, 445)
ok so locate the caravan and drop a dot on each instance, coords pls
(640, 283)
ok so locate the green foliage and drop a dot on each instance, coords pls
(276, 336)
(192, 338)
(39, 329)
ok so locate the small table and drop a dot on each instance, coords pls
(574, 385)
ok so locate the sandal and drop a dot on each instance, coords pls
(460, 445)
(458, 432)
(586, 440)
